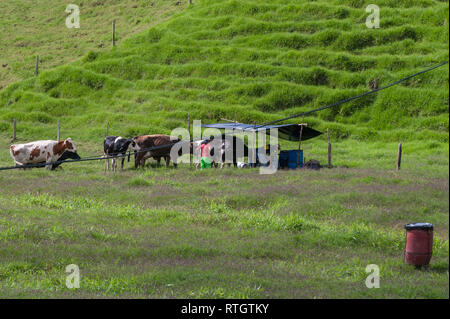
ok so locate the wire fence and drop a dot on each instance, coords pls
(91, 158)
(352, 98)
(128, 153)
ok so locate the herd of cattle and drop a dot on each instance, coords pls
(157, 146)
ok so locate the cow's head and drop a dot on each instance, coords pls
(128, 143)
(69, 145)
(62, 146)
(69, 155)
(134, 146)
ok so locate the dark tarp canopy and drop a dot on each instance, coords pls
(289, 132)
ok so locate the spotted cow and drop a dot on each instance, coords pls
(43, 152)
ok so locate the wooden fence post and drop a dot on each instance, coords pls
(300, 140)
(330, 165)
(254, 145)
(114, 33)
(14, 130)
(190, 1)
(399, 156)
(190, 138)
(37, 65)
(59, 131)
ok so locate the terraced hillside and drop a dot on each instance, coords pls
(29, 28)
(233, 233)
(260, 59)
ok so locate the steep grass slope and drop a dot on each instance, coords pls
(260, 59)
(29, 28)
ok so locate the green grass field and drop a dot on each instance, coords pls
(228, 233)
(231, 233)
(29, 29)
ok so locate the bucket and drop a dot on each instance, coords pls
(419, 243)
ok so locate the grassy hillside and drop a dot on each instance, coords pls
(260, 59)
(233, 233)
(29, 28)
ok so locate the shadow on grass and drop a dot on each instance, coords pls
(441, 267)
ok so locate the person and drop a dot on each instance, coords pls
(205, 150)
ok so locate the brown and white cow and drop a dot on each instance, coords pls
(43, 152)
(162, 144)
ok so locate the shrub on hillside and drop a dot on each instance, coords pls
(91, 56)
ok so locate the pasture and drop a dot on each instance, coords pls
(231, 233)
(30, 29)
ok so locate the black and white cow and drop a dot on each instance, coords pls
(113, 147)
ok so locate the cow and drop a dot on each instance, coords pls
(226, 144)
(45, 152)
(232, 144)
(114, 146)
(161, 145)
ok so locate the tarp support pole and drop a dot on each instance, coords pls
(300, 140)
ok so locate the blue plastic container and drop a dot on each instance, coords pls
(294, 160)
(283, 159)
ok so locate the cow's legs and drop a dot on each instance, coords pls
(167, 158)
(121, 166)
(175, 164)
(19, 165)
(106, 163)
(114, 164)
(138, 159)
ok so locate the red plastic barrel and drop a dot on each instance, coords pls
(419, 243)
